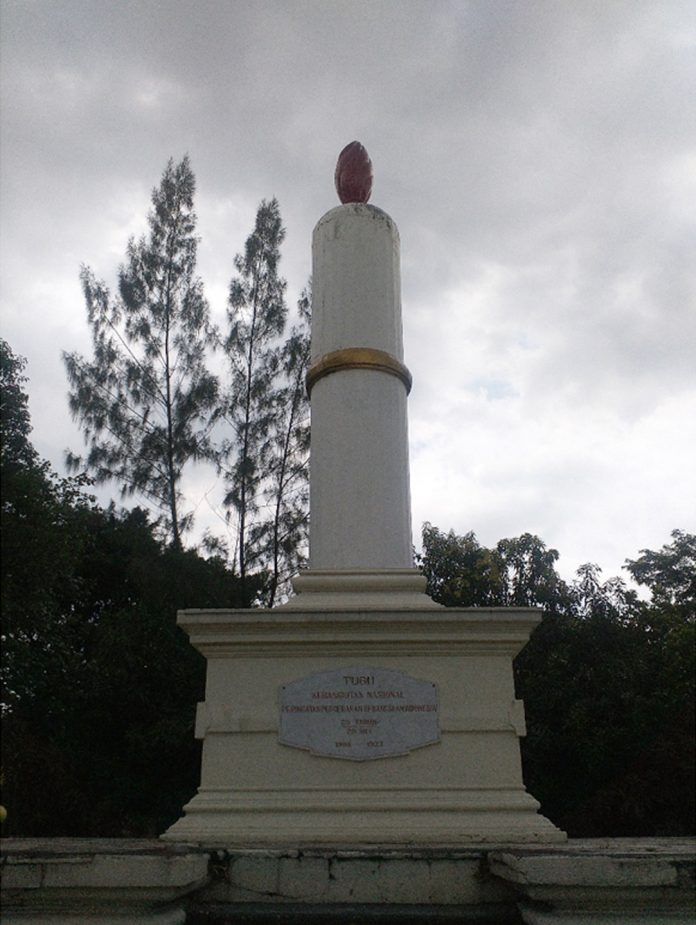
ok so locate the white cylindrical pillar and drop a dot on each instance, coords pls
(360, 515)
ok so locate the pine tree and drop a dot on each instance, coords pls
(282, 537)
(256, 314)
(145, 399)
(16, 452)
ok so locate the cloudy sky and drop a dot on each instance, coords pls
(538, 157)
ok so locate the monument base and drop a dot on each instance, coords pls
(360, 589)
(462, 784)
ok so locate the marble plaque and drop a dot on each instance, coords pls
(359, 713)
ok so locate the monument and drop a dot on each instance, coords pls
(360, 712)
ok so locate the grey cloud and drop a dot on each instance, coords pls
(523, 150)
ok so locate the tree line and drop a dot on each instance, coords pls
(607, 677)
(148, 404)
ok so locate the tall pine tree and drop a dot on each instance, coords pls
(257, 313)
(281, 538)
(145, 399)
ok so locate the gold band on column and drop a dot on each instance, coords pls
(358, 358)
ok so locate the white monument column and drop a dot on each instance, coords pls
(360, 505)
(359, 483)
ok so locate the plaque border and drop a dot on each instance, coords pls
(362, 669)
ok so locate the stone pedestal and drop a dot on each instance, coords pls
(466, 787)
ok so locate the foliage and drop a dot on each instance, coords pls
(147, 404)
(144, 401)
(670, 575)
(107, 728)
(99, 684)
(517, 573)
(16, 451)
(459, 570)
(264, 459)
(607, 679)
(42, 538)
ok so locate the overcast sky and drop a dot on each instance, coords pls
(539, 159)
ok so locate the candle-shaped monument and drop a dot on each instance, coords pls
(360, 712)
(360, 524)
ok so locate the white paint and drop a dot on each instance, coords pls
(360, 589)
(356, 281)
(359, 486)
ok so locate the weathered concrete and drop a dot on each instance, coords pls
(407, 877)
(598, 882)
(583, 882)
(99, 881)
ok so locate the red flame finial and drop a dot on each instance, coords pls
(353, 174)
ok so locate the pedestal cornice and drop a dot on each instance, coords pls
(340, 632)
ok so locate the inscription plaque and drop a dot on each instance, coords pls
(359, 713)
